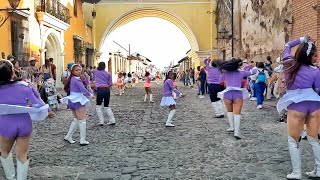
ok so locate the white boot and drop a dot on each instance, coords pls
(72, 129)
(22, 169)
(145, 98)
(110, 115)
(100, 115)
(316, 152)
(295, 156)
(236, 121)
(215, 107)
(170, 117)
(8, 167)
(174, 95)
(220, 108)
(231, 122)
(83, 131)
(151, 98)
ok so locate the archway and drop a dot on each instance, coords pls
(151, 12)
(53, 48)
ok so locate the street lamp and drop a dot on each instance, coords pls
(14, 4)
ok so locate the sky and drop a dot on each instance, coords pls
(155, 38)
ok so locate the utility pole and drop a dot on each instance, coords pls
(232, 33)
(129, 60)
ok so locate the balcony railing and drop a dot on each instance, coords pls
(56, 9)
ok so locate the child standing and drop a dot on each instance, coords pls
(147, 87)
(167, 99)
(77, 101)
(120, 83)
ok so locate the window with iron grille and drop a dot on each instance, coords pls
(20, 39)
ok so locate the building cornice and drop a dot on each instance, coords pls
(51, 21)
(151, 3)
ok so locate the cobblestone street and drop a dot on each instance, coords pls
(141, 147)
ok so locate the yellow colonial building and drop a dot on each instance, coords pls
(49, 29)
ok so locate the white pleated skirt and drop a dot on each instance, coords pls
(36, 114)
(76, 98)
(245, 92)
(296, 96)
(167, 101)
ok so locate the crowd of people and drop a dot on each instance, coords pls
(293, 81)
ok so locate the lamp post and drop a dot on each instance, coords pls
(232, 31)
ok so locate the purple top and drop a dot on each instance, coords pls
(102, 78)
(234, 79)
(18, 94)
(77, 86)
(248, 67)
(307, 76)
(213, 73)
(168, 88)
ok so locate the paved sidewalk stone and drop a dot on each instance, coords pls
(140, 147)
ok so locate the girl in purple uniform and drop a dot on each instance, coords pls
(233, 95)
(301, 101)
(16, 120)
(167, 99)
(103, 82)
(213, 79)
(77, 101)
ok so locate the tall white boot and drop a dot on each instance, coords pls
(100, 115)
(220, 108)
(215, 107)
(316, 152)
(22, 169)
(8, 167)
(231, 122)
(174, 95)
(110, 115)
(236, 121)
(72, 129)
(295, 156)
(83, 131)
(145, 98)
(170, 117)
(151, 98)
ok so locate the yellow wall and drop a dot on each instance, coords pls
(195, 15)
(77, 27)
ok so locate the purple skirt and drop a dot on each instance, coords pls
(74, 106)
(306, 107)
(233, 95)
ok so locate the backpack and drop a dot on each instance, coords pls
(261, 77)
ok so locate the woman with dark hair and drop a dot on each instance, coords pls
(301, 101)
(233, 95)
(213, 79)
(167, 99)
(77, 101)
(103, 82)
(16, 120)
(46, 70)
(17, 70)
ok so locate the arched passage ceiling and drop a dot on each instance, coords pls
(151, 12)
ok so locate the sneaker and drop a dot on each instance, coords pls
(201, 97)
(253, 99)
(259, 107)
